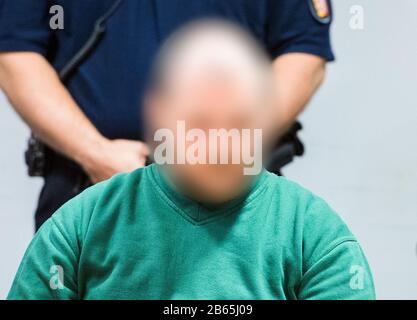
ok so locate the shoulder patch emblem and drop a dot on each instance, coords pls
(321, 11)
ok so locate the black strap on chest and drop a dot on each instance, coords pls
(91, 44)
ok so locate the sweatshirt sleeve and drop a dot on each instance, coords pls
(341, 274)
(291, 27)
(48, 270)
(334, 264)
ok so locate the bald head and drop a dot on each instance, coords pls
(212, 50)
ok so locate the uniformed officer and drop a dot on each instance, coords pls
(79, 87)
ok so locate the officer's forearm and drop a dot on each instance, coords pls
(34, 89)
(298, 76)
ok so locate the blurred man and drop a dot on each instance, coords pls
(88, 117)
(198, 231)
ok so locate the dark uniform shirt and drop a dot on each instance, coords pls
(109, 85)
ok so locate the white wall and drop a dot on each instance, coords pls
(360, 133)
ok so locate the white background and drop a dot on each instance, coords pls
(360, 132)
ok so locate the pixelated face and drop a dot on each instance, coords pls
(214, 103)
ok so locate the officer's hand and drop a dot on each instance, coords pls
(114, 156)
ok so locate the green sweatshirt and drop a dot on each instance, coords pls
(134, 237)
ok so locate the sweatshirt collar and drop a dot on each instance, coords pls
(196, 212)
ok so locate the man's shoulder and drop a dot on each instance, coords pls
(98, 198)
(290, 191)
(314, 213)
(120, 185)
(119, 180)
